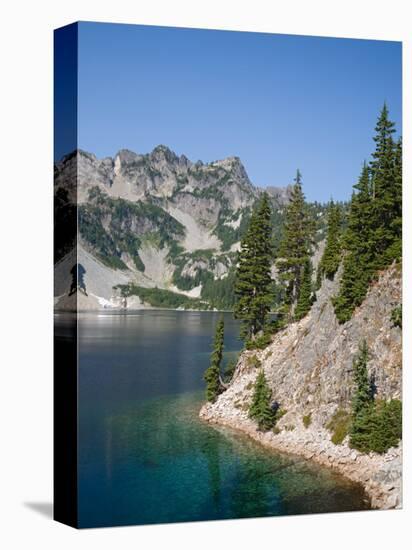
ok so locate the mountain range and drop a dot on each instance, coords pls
(156, 229)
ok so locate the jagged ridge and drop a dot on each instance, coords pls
(162, 219)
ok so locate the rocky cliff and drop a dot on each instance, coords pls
(309, 368)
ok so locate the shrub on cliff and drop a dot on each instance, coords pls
(254, 362)
(260, 408)
(339, 425)
(396, 316)
(307, 420)
(388, 425)
(260, 342)
(378, 428)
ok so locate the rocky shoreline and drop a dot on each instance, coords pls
(308, 367)
(380, 475)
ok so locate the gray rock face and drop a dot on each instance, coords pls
(161, 208)
(309, 368)
(309, 364)
(281, 194)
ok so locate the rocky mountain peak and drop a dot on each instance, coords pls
(83, 155)
(126, 156)
(163, 153)
(196, 188)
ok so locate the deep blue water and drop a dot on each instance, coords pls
(144, 455)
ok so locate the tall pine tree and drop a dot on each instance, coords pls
(363, 396)
(396, 224)
(362, 401)
(253, 275)
(358, 262)
(212, 374)
(305, 299)
(374, 235)
(386, 192)
(295, 245)
(331, 256)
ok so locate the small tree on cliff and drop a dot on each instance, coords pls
(362, 402)
(212, 374)
(376, 425)
(363, 396)
(253, 275)
(260, 408)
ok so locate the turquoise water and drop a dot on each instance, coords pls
(144, 455)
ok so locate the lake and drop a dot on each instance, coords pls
(144, 455)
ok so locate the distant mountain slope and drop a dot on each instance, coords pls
(166, 221)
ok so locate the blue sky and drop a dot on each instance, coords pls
(279, 102)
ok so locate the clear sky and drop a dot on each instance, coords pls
(279, 102)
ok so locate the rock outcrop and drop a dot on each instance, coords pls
(309, 368)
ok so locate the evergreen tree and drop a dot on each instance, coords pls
(363, 426)
(332, 254)
(384, 129)
(358, 261)
(376, 426)
(363, 396)
(395, 250)
(253, 280)
(362, 402)
(386, 423)
(212, 374)
(374, 235)
(295, 245)
(305, 299)
(386, 192)
(260, 408)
